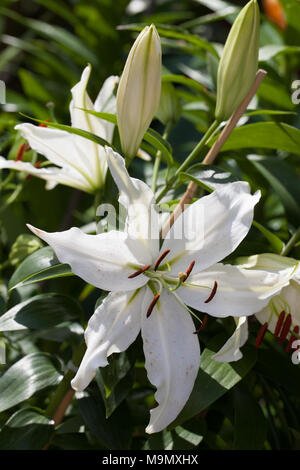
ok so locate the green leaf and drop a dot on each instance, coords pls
(41, 311)
(267, 135)
(250, 426)
(266, 53)
(175, 32)
(275, 241)
(23, 379)
(284, 182)
(209, 177)
(113, 433)
(39, 266)
(214, 380)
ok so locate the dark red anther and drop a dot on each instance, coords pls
(202, 326)
(292, 338)
(36, 165)
(213, 293)
(44, 125)
(285, 329)
(279, 324)
(189, 270)
(140, 271)
(21, 151)
(261, 334)
(162, 256)
(152, 305)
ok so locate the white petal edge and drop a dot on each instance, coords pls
(138, 199)
(172, 356)
(231, 352)
(211, 228)
(240, 291)
(101, 260)
(112, 328)
(52, 175)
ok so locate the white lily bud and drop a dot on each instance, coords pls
(239, 61)
(139, 90)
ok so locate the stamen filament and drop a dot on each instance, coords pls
(213, 293)
(160, 259)
(140, 271)
(152, 305)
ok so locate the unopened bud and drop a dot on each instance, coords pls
(139, 90)
(239, 61)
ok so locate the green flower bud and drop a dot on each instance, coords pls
(24, 245)
(239, 61)
(139, 90)
(169, 106)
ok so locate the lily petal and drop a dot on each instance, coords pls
(172, 365)
(138, 199)
(231, 352)
(240, 291)
(112, 328)
(60, 148)
(52, 175)
(105, 260)
(106, 103)
(288, 300)
(211, 228)
(88, 122)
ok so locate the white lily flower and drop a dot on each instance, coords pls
(79, 162)
(282, 309)
(151, 286)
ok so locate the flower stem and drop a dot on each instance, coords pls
(291, 243)
(191, 157)
(158, 157)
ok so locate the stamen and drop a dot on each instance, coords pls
(202, 326)
(189, 270)
(140, 271)
(21, 151)
(285, 329)
(152, 305)
(213, 293)
(292, 338)
(162, 256)
(261, 334)
(279, 324)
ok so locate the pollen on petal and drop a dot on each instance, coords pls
(213, 293)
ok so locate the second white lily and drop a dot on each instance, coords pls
(79, 162)
(150, 287)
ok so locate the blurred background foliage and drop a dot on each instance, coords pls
(44, 46)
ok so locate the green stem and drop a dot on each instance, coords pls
(192, 156)
(158, 157)
(291, 243)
